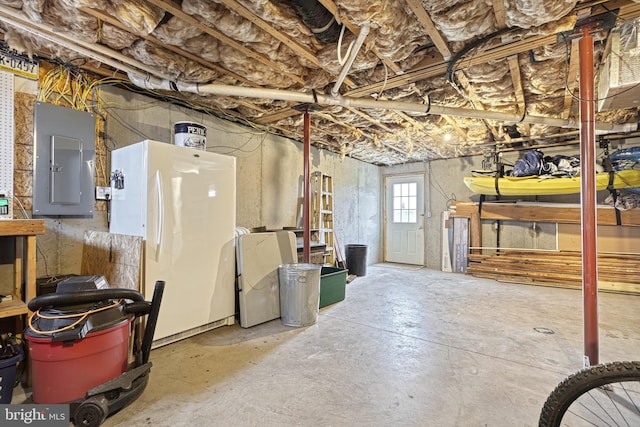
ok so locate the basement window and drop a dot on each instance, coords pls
(405, 202)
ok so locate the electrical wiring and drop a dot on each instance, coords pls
(127, 126)
(439, 188)
(458, 56)
(67, 84)
(22, 209)
(240, 149)
(343, 59)
(211, 110)
(80, 317)
(384, 83)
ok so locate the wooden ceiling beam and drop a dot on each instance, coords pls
(370, 119)
(333, 8)
(277, 116)
(112, 21)
(258, 22)
(360, 132)
(499, 52)
(572, 76)
(455, 126)
(492, 54)
(105, 72)
(499, 12)
(265, 26)
(424, 19)
(629, 9)
(466, 85)
(417, 125)
(516, 78)
(176, 11)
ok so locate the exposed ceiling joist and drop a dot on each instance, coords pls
(370, 119)
(477, 103)
(277, 116)
(498, 11)
(516, 78)
(455, 126)
(430, 28)
(333, 8)
(176, 11)
(572, 76)
(265, 26)
(492, 54)
(266, 91)
(112, 21)
(499, 52)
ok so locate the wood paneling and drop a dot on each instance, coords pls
(117, 257)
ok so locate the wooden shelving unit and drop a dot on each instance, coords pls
(617, 271)
(322, 212)
(24, 231)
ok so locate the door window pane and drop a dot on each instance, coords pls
(404, 202)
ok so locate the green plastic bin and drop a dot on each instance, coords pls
(332, 285)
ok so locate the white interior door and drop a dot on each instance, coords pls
(404, 219)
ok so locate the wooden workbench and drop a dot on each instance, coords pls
(25, 232)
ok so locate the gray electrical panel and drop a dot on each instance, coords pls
(65, 150)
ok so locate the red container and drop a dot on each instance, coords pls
(63, 372)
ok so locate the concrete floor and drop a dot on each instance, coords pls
(407, 346)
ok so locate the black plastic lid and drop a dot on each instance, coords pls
(94, 322)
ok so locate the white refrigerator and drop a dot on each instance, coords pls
(182, 202)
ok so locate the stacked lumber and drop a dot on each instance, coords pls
(616, 272)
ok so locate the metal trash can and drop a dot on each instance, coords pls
(356, 259)
(299, 293)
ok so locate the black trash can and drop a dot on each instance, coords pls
(356, 259)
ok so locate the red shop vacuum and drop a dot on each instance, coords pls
(86, 348)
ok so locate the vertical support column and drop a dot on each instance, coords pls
(306, 229)
(588, 201)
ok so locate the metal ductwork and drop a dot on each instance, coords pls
(320, 21)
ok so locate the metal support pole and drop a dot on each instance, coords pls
(306, 220)
(588, 201)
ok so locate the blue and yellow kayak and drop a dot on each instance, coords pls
(536, 186)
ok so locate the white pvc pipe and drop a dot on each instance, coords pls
(364, 31)
(322, 99)
(158, 80)
(94, 51)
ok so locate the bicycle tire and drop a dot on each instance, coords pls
(581, 383)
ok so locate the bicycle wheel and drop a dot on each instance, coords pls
(601, 395)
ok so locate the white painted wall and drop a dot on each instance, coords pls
(443, 184)
(269, 171)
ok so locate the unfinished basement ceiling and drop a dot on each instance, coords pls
(517, 57)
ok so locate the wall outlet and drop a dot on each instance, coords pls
(103, 193)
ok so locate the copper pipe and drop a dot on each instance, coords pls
(588, 200)
(306, 227)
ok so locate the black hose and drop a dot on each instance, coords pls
(82, 297)
(152, 320)
(454, 60)
(320, 21)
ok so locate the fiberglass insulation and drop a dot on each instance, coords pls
(298, 61)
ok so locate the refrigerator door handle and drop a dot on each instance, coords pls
(159, 225)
